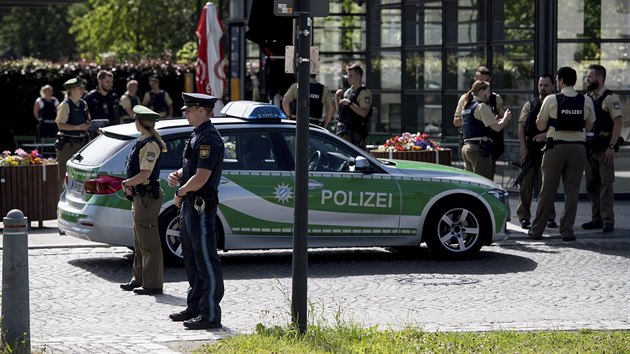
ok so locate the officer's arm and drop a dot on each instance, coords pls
(36, 110)
(142, 176)
(329, 113)
(195, 182)
(286, 106)
(543, 116)
(360, 110)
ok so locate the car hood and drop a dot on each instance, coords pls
(437, 171)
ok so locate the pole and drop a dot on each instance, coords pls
(300, 232)
(15, 290)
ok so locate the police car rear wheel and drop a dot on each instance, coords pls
(456, 228)
(171, 240)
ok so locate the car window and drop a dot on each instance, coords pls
(100, 150)
(325, 154)
(172, 158)
(248, 151)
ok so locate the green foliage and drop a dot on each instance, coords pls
(353, 339)
(133, 29)
(188, 53)
(38, 32)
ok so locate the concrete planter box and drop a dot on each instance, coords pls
(32, 189)
(442, 157)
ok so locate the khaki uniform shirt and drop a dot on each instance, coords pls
(549, 110)
(292, 94)
(63, 111)
(149, 154)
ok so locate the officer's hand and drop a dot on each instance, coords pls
(507, 115)
(177, 201)
(523, 152)
(173, 179)
(609, 155)
(345, 102)
(128, 191)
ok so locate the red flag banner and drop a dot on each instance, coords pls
(210, 73)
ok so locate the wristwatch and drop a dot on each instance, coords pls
(124, 182)
(611, 146)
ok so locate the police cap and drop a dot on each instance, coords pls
(197, 99)
(72, 83)
(143, 113)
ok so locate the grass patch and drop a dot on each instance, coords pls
(353, 339)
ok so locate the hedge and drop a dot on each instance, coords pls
(21, 80)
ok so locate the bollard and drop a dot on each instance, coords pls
(15, 288)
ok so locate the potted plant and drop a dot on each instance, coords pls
(30, 183)
(415, 147)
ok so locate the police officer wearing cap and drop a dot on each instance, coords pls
(73, 123)
(143, 187)
(600, 167)
(567, 116)
(197, 198)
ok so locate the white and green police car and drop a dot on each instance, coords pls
(355, 200)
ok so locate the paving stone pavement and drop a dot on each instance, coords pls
(77, 307)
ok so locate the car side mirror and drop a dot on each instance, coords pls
(361, 164)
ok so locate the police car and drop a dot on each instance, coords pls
(354, 199)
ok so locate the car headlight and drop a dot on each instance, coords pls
(500, 194)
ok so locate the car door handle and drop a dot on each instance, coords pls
(314, 184)
(223, 180)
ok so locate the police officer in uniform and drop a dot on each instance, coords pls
(45, 112)
(600, 168)
(532, 142)
(143, 187)
(197, 198)
(73, 123)
(103, 102)
(158, 99)
(320, 98)
(568, 116)
(495, 101)
(478, 124)
(355, 108)
(129, 100)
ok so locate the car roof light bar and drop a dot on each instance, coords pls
(252, 110)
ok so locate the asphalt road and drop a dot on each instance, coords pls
(77, 307)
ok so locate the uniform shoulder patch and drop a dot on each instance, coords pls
(617, 105)
(151, 156)
(204, 151)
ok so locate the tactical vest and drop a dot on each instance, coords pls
(354, 122)
(570, 113)
(158, 101)
(316, 107)
(48, 113)
(103, 107)
(133, 160)
(472, 128)
(135, 100)
(76, 116)
(603, 121)
(530, 125)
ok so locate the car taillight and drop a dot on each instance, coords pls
(103, 185)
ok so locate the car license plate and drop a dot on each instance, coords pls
(77, 187)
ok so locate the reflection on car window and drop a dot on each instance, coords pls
(172, 159)
(248, 151)
(100, 150)
(325, 154)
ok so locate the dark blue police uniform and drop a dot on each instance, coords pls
(204, 150)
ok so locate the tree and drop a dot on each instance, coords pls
(38, 32)
(133, 29)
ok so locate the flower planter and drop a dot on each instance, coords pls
(32, 189)
(442, 157)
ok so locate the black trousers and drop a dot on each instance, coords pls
(203, 266)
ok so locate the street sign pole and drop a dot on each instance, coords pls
(300, 231)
